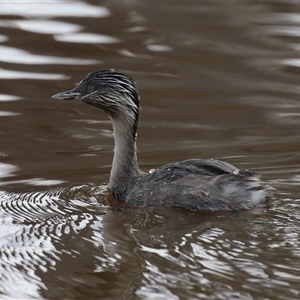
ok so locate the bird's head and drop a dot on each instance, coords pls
(110, 90)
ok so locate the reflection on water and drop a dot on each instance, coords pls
(53, 8)
(13, 55)
(7, 170)
(86, 38)
(7, 114)
(43, 26)
(216, 80)
(8, 97)
(9, 74)
(3, 38)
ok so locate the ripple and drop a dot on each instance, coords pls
(287, 118)
(283, 30)
(34, 182)
(30, 206)
(51, 205)
(3, 38)
(7, 170)
(4, 97)
(89, 38)
(52, 9)
(14, 55)
(295, 62)
(55, 206)
(44, 26)
(8, 114)
(283, 18)
(159, 48)
(9, 74)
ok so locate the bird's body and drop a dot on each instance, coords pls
(195, 184)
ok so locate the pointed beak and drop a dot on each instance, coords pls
(68, 95)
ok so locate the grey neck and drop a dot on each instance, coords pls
(124, 165)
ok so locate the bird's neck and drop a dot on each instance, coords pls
(124, 165)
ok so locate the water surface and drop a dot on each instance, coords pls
(216, 80)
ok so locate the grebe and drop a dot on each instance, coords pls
(194, 184)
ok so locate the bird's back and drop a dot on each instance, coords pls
(195, 184)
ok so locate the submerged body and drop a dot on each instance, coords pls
(195, 184)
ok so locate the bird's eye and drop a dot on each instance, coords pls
(90, 89)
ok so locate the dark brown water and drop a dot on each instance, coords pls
(216, 79)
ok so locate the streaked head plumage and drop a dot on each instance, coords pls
(110, 90)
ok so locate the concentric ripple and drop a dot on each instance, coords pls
(34, 228)
(50, 205)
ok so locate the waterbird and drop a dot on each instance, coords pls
(195, 184)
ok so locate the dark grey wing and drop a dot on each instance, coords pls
(208, 167)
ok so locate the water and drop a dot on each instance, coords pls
(216, 80)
